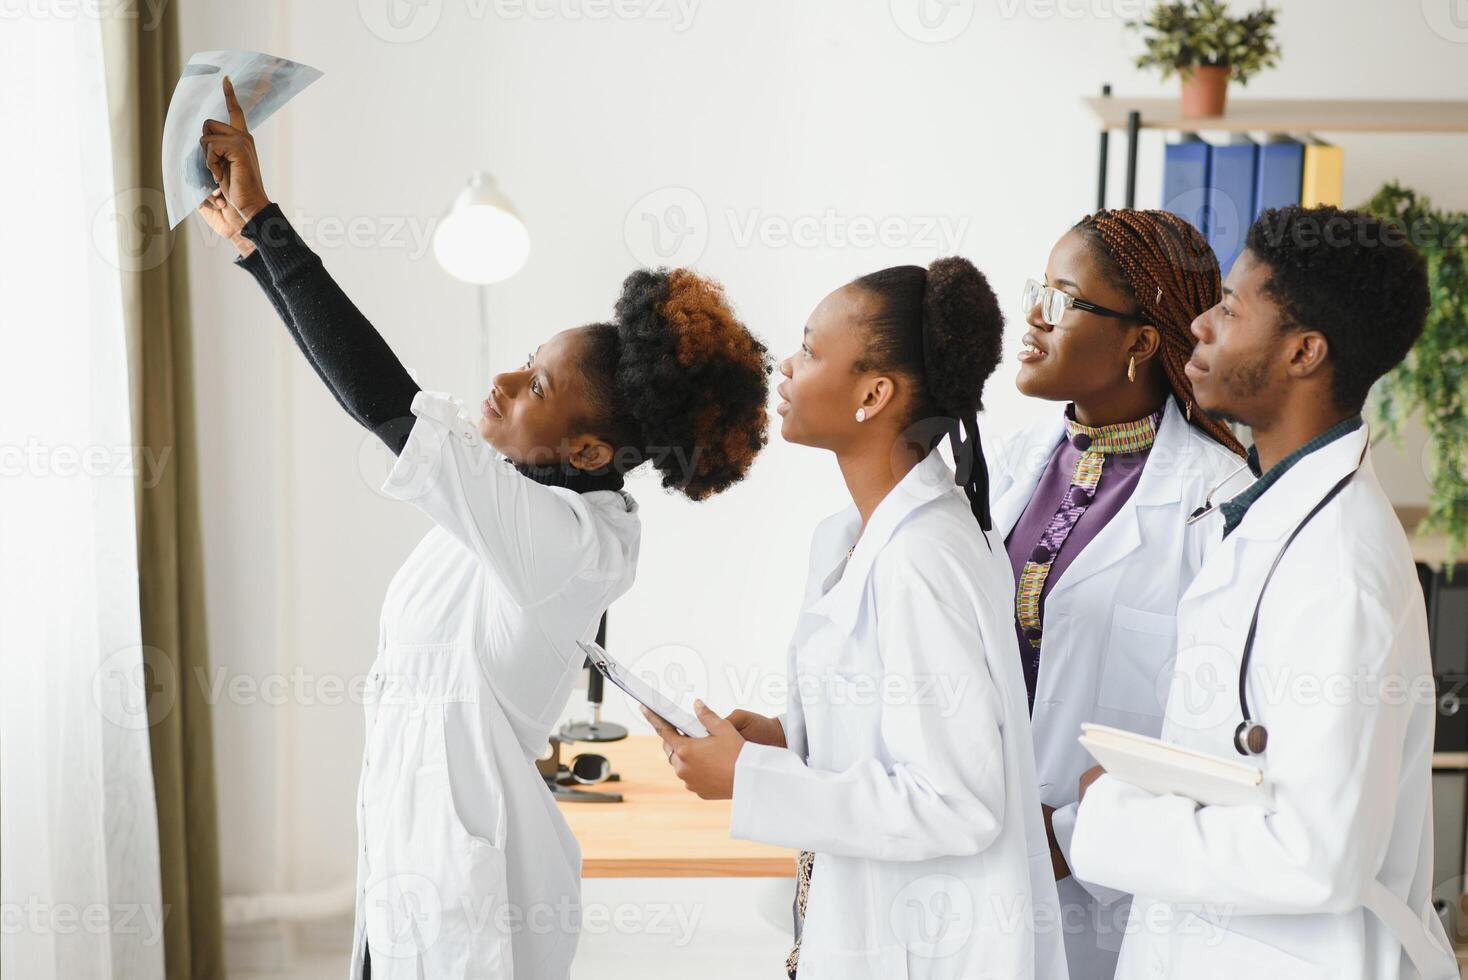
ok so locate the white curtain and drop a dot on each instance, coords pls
(78, 828)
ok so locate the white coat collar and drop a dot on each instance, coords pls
(928, 480)
(1283, 505)
(1176, 453)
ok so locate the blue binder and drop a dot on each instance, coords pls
(1185, 180)
(1277, 177)
(1230, 198)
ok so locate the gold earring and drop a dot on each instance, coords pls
(1131, 368)
(1188, 413)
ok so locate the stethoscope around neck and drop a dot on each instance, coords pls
(1251, 738)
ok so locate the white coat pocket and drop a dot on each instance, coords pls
(1139, 655)
(470, 871)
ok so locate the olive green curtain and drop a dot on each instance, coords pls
(141, 55)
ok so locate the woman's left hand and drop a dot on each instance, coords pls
(229, 152)
(706, 765)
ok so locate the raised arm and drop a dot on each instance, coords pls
(251, 261)
(346, 351)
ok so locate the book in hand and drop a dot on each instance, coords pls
(1160, 767)
(642, 692)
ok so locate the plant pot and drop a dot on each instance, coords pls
(1205, 89)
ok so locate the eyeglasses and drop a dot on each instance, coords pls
(1054, 302)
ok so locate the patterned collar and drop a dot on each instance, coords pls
(1235, 509)
(1123, 437)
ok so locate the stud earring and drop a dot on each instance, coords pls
(1131, 368)
(861, 415)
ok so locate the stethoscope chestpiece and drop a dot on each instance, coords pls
(1251, 738)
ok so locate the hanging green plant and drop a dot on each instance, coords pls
(1434, 377)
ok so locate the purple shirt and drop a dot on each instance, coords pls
(1119, 475)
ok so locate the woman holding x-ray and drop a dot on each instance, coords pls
(465, 866)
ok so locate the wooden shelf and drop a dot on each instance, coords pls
(1292, 115)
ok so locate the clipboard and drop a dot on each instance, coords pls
(642, 692)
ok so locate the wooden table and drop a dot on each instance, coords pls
(660, 830)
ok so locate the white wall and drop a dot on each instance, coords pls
(757, 109)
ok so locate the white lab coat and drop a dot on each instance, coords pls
(1337, 677)
(1110, 632)
(466, 867)
(909, 769)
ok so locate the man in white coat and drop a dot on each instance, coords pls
(1334, 879)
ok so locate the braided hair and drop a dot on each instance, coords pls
(1171, 274)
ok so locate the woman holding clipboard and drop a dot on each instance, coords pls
(903, 762)
(466, 866)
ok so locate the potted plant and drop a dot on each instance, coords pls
(1434, 377)
(1199, 40)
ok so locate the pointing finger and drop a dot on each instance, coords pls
(236, 114)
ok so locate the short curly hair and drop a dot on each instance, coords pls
(1350, 276)
(941, 327)
(678, 381)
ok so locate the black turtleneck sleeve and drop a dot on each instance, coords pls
(348, 354)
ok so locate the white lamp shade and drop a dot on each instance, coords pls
(481, 240)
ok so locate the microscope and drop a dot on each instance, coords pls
(586, 768)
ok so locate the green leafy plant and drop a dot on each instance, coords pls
(1185, 34)
(1434, 377)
